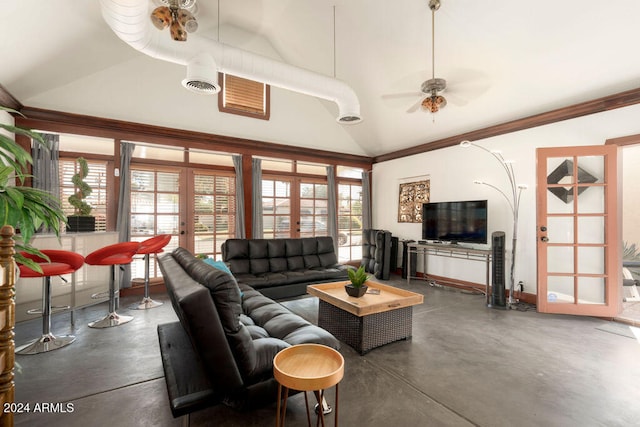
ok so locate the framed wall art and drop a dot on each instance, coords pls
(412, 196)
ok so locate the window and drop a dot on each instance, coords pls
(276, 208)
(244, 97)
(214, 207)
(313, 209)
(349, 221)
(155, 202)
(292, 207)
(97, 180)
(155, 209)
(158, 152)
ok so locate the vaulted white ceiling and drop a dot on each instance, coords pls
(502, 59)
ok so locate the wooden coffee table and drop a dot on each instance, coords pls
(367, 322)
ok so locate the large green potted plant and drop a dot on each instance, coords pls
(25, 208)
(81, 220)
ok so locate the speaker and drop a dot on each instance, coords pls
(498, 270)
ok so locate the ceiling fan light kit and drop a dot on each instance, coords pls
(176, 15)
(433, 102)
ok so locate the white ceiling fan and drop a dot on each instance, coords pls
(432, 100)
(430, 96)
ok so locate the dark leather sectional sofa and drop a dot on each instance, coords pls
(282, 268)
(222, 347)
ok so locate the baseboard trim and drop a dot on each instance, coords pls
(472, 286)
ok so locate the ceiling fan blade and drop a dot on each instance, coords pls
(416, 106)
(399, 100)
(412, 94)
(467, 85)
(455, 99)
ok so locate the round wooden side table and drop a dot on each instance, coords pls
(307, 367)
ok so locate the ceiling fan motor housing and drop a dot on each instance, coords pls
(431, 85)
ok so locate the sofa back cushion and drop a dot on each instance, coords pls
(260, 256)
(326, 252)
(235, 252)
(226, 296)
(277, 255)
(199, 317)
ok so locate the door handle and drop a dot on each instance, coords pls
(544, 239)
(543, 228)
(182, 232)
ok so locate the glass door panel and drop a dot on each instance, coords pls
(276, 208)
(155, 209)
(214, 211)
(349, 222)
(577, 230)
(314, 212)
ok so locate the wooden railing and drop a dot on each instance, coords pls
(7, 324)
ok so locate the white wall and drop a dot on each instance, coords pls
(452, 172)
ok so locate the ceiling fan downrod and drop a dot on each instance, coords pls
(434, 102)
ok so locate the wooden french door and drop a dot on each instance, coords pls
(195, 206)
(294, 207)
(578, 231)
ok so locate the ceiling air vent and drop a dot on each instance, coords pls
(202, 75)
(201, 86)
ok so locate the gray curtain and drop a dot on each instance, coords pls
(241, 232)
(332, 211)
(256, 180)
(367, 221)
(124, 206)
(45, 166)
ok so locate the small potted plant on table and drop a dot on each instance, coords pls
(82, 220)
(358, 278)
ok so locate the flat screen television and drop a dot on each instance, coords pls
(455, 222)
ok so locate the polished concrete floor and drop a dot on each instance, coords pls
(466, 365)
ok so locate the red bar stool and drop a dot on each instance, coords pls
(147, 247)
(112, 255)
(62, 262)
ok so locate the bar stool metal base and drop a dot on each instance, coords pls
(110, 320)
(145, 304)
(326, 408)
(47, 342)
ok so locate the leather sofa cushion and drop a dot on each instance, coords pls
(311, 261)
(280, 323)
(278, 264)
(195, 309)
(326, 252)
(225, 294)
(259, 265)
(277, 248)
(293, 247)
(295, 263)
